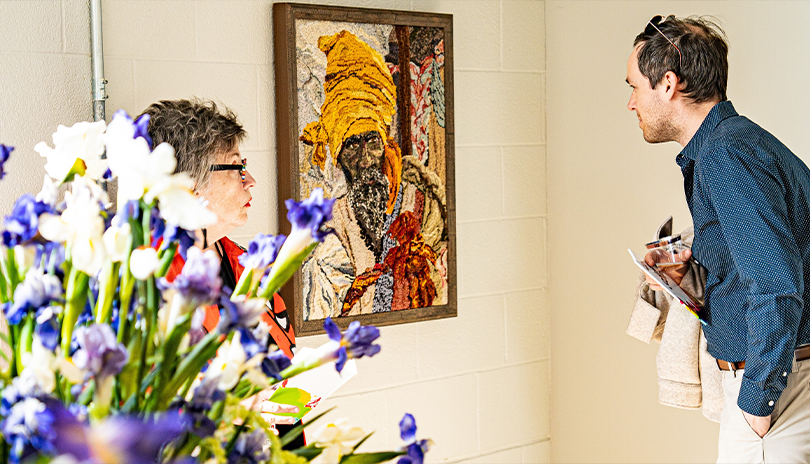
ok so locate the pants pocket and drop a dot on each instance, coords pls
(747, 427)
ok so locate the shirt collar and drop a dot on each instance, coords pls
(718, 113)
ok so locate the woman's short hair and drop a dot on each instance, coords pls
(703, 66)
(197, 130)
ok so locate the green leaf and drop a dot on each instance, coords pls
(361, 442)
(293, 433)
(370, 458)
(193, 362)
(308, 452)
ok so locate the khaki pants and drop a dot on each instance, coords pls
(787, 441)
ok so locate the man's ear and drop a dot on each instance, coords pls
(670, 85)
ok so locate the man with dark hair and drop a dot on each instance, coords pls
(750, 202)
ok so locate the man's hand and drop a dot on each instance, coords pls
(268, 409)
(758, 424)
(675, 273)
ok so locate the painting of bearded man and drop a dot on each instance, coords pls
(371, 114)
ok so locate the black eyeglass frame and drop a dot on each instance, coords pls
(654, 22)
(242, 168)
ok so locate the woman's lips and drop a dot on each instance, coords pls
(247, 204)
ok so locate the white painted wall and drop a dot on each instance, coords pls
(608, 190)
(478, 384)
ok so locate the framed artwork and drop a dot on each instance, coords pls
(364, 111)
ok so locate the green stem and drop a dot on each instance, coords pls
(76, 298)
(11, 263)
(147, 223)
(127, 285)
(194, 361)
(4, 296)
(58, 389)
(26, 341)
(243, 286)
(281, 272)
(107, 282)
(14, 338)
(187, 387)
(236, 434)
(147, 332)
(166, 256)
(168, 356)
(296, 369)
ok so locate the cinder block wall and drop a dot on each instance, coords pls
(478, 384)
(44, 81)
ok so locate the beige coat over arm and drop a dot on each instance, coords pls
(688, 376)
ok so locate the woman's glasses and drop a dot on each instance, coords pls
(242, 168)
(652, 26)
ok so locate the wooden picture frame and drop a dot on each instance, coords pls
(392, 258)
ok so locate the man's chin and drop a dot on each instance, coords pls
(654, 138)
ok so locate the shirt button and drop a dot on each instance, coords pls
(770, 403)
(784, 374)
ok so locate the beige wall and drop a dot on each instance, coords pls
(478, 384)
(44, 81)
(608, 190)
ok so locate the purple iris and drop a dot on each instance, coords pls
(21, 225)
(275, 362)
(356, 342)
(47, 329)
(86, 315)
(16, 392)
(136, 440)
(28, 428)
(5, 152)
(415, 449)
(140, 125)
(36, 291)
(407, 428)
(311, 214)
(51, 255)
(199, 282)
(250, 343)
(129, 210)
(196, 410)
(185, 239)
(157, 226)
(262, 251)
(249, 449)
(99, 352)
(141, 129)
(236, 314)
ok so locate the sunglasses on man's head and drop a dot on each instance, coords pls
(231, 167)
(652, 28)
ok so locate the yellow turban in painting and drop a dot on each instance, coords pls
(359, 96)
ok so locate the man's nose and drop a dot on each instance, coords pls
(631, 104)
(367, 156)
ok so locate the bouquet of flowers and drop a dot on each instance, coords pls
(106, 360)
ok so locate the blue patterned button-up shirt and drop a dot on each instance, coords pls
(750, 202)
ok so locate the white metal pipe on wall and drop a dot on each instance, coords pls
(97, 59)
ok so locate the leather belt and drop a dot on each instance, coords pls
(801, 353)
